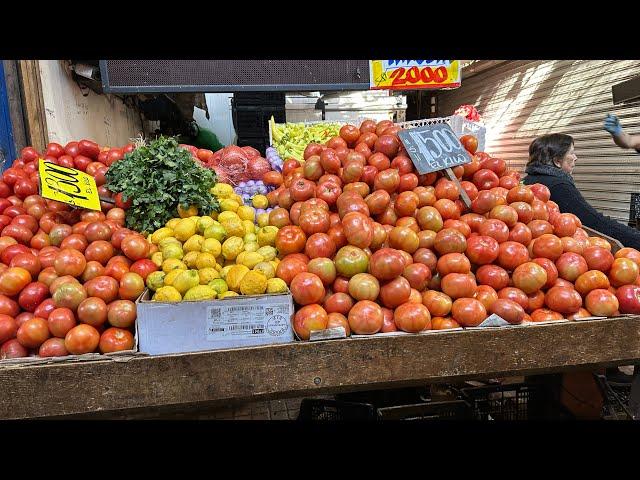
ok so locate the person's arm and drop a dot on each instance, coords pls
(620, 137)
(570, 200)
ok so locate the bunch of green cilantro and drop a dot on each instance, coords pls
(158, 177)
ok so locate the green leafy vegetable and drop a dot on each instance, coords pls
(158, 177)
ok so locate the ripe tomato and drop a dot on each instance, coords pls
(404, 238)
(307, 288)
(457, 285)
(29, 262)
(563, 300)
(290, 239)
(143, 268)
(82, 339)
(438, 303)
(92, 311)
(350, 261)
(386, 264)
(486, 295)
(629, 299)
(53, 347)
(493, 276)
(365, 318)
(69, 262)
(60, 321)
(515, 294)
(591, 280)
(470, 143)
(570, 266)
(131, 286)
(623, 272)
(339, 303)
(8, 328)
(33, 332)
(545, 315)
(309, 318)
(449, 240)
(395, 292)
(413, 318)
(418, 276)
(13, 280)
(512, 254)
(550, 270)
(482, 249)
(453, 263)
(115, 340)
(45, 308)
(103, 287)
(508, 310)
(601, 302)
(529, 277)
(33, 295)
(468, 312)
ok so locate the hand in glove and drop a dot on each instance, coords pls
(612, 125)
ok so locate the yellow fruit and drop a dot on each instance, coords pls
(207, 275)
(253, 283)
(213, 215)
(222, 190)
(240, 258)
(267, 235)
(187, 212)
(215, 231)
(170, 277)
(219, 267)
(161, 233)
(224, 271)
(212, 246)
(155, 280)
(219, 285)
(185, 229)
(250, 247)
(231, 247)
(228, 205)
(263, 219)
(203, 223)
(190, 259)
(235, 276)
(194, 220)
(274, 263)
(224, 216)
(172, 264)
(246, 213)
(266, 269)
(157, 258)
(268, 252)
(185, 280)
(249, 226)
(172, 251)
(237, 198)
(251, 259)
(200, 292)
(250, 237)
(169, 241)
(260, 201)
(194, 244)
(276, 285)
(233, 227)
(172, 223)
(167, 294)
(227, 294)
(205, 260)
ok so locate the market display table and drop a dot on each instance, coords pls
(314, 368)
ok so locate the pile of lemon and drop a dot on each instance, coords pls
(215, 256)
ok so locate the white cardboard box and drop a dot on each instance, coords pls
(234, 322)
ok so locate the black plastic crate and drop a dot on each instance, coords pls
(518, 401)
(615, 399)
(314, 409)
(259, 98)
(449, 410)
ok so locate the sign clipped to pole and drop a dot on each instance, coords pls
(414, 74)
(68, 185)
(433, 148)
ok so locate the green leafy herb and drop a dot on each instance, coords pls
(158, 177)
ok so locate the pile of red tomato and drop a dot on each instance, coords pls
(68, 277)
(368, 244)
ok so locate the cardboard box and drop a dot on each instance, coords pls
(234, 322)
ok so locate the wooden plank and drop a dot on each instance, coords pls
(307, 369)
(33, 104)
(15, 104)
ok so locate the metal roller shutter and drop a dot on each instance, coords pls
(520, 100)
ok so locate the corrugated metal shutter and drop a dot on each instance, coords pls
(520, 100)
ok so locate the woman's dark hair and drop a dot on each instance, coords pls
(547, 148)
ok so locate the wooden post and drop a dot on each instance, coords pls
(452, 176)
(33, 104)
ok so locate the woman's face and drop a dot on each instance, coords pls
(567, 162)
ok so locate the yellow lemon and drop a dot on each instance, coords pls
(251, 259)
(212, 246)
(205, 260)
(185, 229)
(253, 283)
(170, 277)
(157, 258)
(185, 280)
(160, 234)
(246, 213)
(224, 271)
(249, 226)
(240, 258)
(172, 264)
(231, 247)
(194, 220)
(235, 276)
(172, 223)
(187, 212)
(276, 285)
(215, 231)
(155, 280)
(268, 252)
(169, 241)
(267, 235)
(222, 190)
(207, 275)
(224, 216)
(233, 227)
(260, 201)
(203, 223)
(190, 259)
(172, 251)
(250, 238)
(266, 268)
(227, 294)
(194, 244)
(250, 247)
(263, 219)
(200, 292)
(228, 205)
(167, 294)
(219, 285)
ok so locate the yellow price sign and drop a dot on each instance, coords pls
(414, 74)
(68, 185)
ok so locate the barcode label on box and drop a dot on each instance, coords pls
(246, 321)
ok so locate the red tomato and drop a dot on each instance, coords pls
(81, 339)
(470, 143)
(482, 249)
(339, 303)
(394, 293)
(290, 239)
(453, 263)
(92, 311)
(366, 317)
(104, 287)
(60, 321)
(121, 313)
(563, 300)
(134, 246)
(8, 328)
(413, 318)
(131, 286)
(33, 332)
(386, 264)
(601, 302)
(512, 254)
(53, 347)
(449, 240)
(13, 280)
(623, 272)
(438, 303)
(309, 318)
(529, 277)
(508, 310)
(468, 312)
(307, 288)
(116, 340)
(88, 148)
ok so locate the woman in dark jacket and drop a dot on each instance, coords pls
(551, 161)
